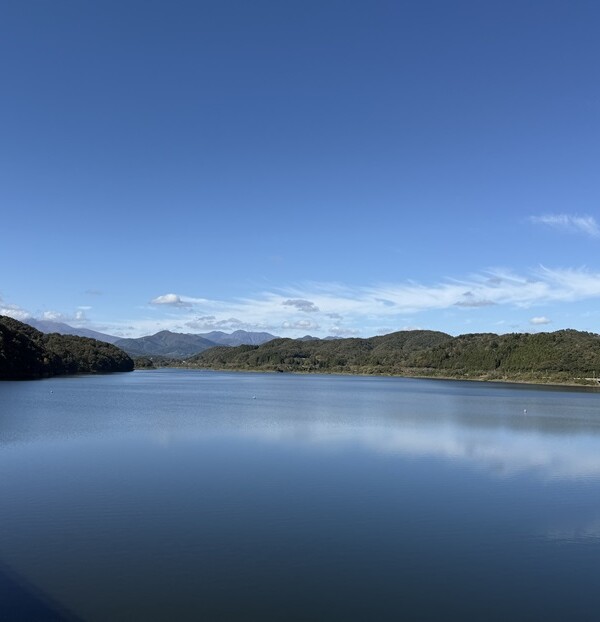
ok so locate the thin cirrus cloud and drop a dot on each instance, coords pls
(340, 331)
(210, 323)
(362, 308)
(569, 223)
(340, 309)
(301, 325)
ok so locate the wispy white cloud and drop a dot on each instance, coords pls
(14, 311)
(569, 223)
(54, 316)
(301, 325)
(364, 309)
(346, 310)
(78, 318)
(539, 320)
(210, 323)
(341, 331)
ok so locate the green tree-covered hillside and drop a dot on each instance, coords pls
(384, 354)
(27, 353)
(562, 356)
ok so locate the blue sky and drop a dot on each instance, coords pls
(333, 168)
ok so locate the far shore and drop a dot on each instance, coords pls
(588, 384)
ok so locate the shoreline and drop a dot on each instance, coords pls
(588, 387)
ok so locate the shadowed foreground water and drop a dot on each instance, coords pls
(185, 495)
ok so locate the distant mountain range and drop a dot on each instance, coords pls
(164, 343)
(181, 345)
(238, 338)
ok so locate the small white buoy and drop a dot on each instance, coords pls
(254, 397)
(524, 411)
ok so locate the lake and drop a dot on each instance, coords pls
(197, 495)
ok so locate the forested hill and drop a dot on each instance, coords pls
(384, 354)
(27, 353)
(562, 356)
(166, 343)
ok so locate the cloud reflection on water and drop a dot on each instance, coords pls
(483, 427)
(502, 451)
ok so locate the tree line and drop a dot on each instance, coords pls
(561, 356)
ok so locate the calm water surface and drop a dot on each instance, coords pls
(186, 495)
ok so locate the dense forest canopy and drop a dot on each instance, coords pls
(562, 356)
(27, 353)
